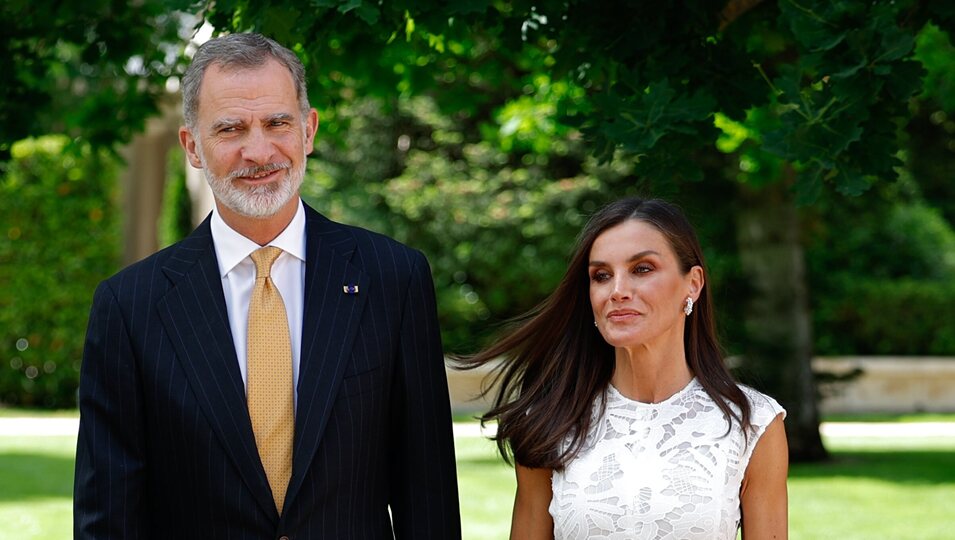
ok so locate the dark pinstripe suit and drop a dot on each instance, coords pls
(166, 448)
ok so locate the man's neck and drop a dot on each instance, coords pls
(260, 230)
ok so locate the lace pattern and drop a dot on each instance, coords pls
(658, 471)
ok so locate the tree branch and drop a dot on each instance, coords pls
(734, 9)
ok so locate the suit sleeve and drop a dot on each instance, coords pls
(424, 492)
(108, 484)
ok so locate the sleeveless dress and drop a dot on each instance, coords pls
(659, 471)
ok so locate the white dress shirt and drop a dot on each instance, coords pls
(238, 277)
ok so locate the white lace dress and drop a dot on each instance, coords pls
(658, 471)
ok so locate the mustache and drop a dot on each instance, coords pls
(261, 169)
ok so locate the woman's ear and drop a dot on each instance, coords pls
(695, 280)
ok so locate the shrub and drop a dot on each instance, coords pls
(891, 317)
(60, 237)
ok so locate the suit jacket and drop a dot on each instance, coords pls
(166, 449)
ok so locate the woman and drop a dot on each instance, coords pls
(614, 401)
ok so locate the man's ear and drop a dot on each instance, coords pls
(188, 143)
(311, 126)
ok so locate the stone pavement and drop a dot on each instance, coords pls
(32, 427)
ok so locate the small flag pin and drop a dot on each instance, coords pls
(350, 289)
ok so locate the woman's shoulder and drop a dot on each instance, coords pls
(763, 407)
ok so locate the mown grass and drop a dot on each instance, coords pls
(11, 412)
(36, 484)
(891, 417)
(872, 488)
(875, 488)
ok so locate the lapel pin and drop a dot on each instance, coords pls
(350, 289)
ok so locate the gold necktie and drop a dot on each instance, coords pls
(270, 376)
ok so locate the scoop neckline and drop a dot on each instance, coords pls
(676, 395)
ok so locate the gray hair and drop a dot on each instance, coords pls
(233, 52)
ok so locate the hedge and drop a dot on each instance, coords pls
(60, 236)
(889, 317)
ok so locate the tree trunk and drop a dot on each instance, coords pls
(778, 350)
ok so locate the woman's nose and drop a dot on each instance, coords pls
(621, 290)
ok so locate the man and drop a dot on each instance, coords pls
(292, 391)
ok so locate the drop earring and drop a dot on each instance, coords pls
(688, 308)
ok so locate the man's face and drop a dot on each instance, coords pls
(250, 138)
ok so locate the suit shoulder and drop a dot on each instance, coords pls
(379, 240)
(376, 250)
(368, 243)
(130, 280)
(145, 265)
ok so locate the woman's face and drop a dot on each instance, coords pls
(637, 289)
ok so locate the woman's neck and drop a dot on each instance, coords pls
(650, 374)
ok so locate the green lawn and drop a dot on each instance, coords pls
(888, 417)
(873, 488)
(8, 412)
(36, 483)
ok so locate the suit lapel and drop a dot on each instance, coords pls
(330, 323)
(193, 312)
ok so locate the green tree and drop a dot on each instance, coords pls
(811, 95)
(825, 84)
(92, 69)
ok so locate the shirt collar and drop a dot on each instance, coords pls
(232, 248)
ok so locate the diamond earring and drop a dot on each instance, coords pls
(688, 308)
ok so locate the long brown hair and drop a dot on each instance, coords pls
(554, 364)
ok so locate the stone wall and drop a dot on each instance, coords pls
(883, 385)
(889, 384)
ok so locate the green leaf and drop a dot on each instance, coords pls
(896, 44)
(852, 182)
(347, 5)
(810, 23)
(808, 186)
(466, 7)
(369, 13)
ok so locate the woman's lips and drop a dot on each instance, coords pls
(621, 315)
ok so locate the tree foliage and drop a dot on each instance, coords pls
(60, 228)
(832, 78)
(496, 229)
(482, 131)
(93, 69)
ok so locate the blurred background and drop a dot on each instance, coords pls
(811, 143)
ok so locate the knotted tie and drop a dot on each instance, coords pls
(270, 376)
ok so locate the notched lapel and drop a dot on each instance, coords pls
(335, 296)
(194, 315)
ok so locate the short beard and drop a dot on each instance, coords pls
(257, 201)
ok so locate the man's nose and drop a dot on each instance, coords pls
(258, 148)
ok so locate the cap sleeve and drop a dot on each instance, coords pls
(765, 409)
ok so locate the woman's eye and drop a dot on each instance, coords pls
(642, 268)
(600, 277)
